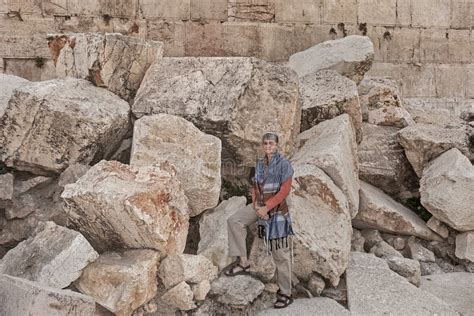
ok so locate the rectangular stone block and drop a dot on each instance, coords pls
(24, 46)
(401, 45)
(462, 14)
(277, 41)
(298, 11)
(377, 11)
(460, 45)
(251, 10)
(171, 33)
(25, 6)
(119, 8)
(3, 6)
(30, 68)
(339, 11)
(434, 45)
(308, 35)
(22, 297)
(430, 13)
(451, 80)
(376, 35)
(203, 39)
(417, 80)
(209, 10)
(54, 7)
(403, 12)
(83, 7)
(240, 39)
(470, 80)
(177, 9)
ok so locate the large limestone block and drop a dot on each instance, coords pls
(351, 56)
(50, 124)
(55, 256)
(465, 246)
(373, 289)
(236, 99)
(309, 306)
(121, 282)
(196, 156)
(322, 224)
(117, 206)
(23, 297)
(239, 290)
(109, 60)
(424, 142)
(175, 269)
(382, 161)
(213, 231)
(379, 211)
(8, 84)
(447, 190)
(331, 146)
(456, 289)
(325, 95)
(444, 112)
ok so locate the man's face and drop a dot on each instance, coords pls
(269, 146)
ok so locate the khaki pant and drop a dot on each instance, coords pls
(237, 233)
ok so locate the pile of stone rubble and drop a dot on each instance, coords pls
(112, 179)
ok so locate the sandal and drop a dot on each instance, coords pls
(231, 271)
(283, 299)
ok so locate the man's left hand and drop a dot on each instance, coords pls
(263, 212)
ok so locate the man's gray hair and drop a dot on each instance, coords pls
(270, 135)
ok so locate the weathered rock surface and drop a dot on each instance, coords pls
(444, 112)
(189, 268)
(379, 211)
(6, 188)
(230, 98)
(195, 155)
(465, 246)
(309, 306)
(117, 206)
(213, 231)
(121, 282)
(327, 94)
(54, 256)
(382, 161)
(8, 83)
(425, 142)
(109, 60)
(322, 224)
(418, 252)
(23, 297)
(390, 116)
(351, 56)
(180, 296)
(238, 290)
(372, 288)
(261, 263)
(331, 146)
(447, 190)
(384, 250)
(51, 124)
(378, 92)
(438, 226)
(407, 268)
(72, 174)
(456, 289)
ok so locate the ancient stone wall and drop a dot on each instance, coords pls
(429, 44)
